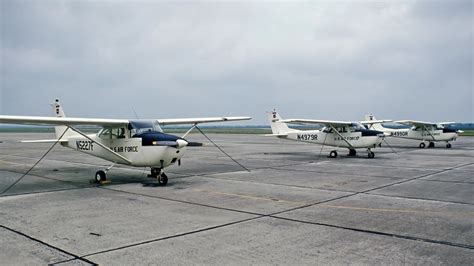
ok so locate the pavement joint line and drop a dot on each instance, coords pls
(169, 237)
(326, 172)
(415, 178)
(424, 199)
(75, 257)
(386, 177)
(180, 201)
(447, 181)
(274, 184)
(426, 240)
(274, 215)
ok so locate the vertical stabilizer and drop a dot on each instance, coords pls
(376, 125)
(278, 128)
(58, 111)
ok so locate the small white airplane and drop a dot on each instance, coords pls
(424, 131)
(351, 135)
(139, 143)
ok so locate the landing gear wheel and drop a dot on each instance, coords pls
(155, 172)
(333, 154)
(371, 155)
(422, 145)
(163, 179)
(100, 176)
(448, 145)
(431, 145)
(352, 152)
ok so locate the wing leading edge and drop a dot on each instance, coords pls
(70, 121)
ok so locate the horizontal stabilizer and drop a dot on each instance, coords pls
(275, 135)
(370, 122)
(44, 141)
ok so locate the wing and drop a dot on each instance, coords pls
(371, 122)
(415, 123)
(61, 121)
(319, 122)
(184, 121)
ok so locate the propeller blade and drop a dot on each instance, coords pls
(179, 143)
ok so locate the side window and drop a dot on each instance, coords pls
(105, 134)
(121, 133)
(112, 133)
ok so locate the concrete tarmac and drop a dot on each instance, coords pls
(293, 206)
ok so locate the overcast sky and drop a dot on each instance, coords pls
(319, 59)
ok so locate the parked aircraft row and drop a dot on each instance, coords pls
(142, 143)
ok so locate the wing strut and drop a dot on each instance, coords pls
(424, 127)
(342, 137)
(189, 131)
(101, 145)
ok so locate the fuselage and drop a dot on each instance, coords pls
(444, 134)
(147, 149)
(357, 139)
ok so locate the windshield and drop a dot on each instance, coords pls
(358, 125)
(139, 126)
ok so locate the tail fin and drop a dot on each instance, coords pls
(375, 126)
(369, 117)
(278, 128)
(58, 111)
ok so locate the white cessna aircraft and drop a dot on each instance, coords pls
(139, 143)
(351, 135)
(424, 131)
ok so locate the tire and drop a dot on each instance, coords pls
(371, 155)
(431, 145)
(155, 172)
(448, 145)
(163, 179)
(333, 154)
(422, 145)
(352, 152)
(100, 176)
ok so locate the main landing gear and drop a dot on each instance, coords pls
(333, 154)
(159, 175)
(352, 152)
(101, 175)
(370, 154)
(432, 145)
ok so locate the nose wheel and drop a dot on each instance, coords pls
(448, 145)
(159, 175)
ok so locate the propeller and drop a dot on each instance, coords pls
(179, 143)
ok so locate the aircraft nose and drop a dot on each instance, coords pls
(181, 143)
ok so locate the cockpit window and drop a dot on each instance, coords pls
(112, 133)
(358, 126)
(140, 126)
